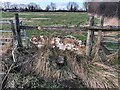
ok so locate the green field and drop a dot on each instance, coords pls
(50, 18)
(74, 19)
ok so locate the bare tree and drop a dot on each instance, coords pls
(1, 6)
(23, 6)
(52, 6)
(93, 7)
(85, 4)
(14, 6)
(33, 7)
(108, 9)
(72, 6)
(47, 8)
(7, 5)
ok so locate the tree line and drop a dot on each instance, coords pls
(32, 7)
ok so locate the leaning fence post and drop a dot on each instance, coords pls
(17, 28)
(98, 45)
(90, 36)
(1, 75)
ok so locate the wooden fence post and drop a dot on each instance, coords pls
(102, 21)
(100, 31)
(99, 35)
(90, 36)
(17, 28)
(26, 38)
(13, 30)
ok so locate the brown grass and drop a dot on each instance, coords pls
(43, 62)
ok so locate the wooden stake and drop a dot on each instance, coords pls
(98, 43)
(1, 75)
(90, 36)
(100, 34)
(13, 30)
(17, 28)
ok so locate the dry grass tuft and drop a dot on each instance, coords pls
(46, 63)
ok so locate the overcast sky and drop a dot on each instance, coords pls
(59, 3)
(43, 3)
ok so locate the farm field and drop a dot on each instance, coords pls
(68, 19)
(50, 18)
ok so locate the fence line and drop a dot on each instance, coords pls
(81, 28)
(90, 32)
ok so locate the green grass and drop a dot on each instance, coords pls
(5, 27)
(111, 45)
(53, 33)
(53, 18)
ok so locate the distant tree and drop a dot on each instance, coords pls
(7, 5)
(33, 7)
(72, 6)
(38, 7)
(85, 4)
(26, 9)
(52, 6)
(23, 6)
(108, 9)
(93, 7)
(81, 9)
(14, 6)
(47, 8)
(1, 6)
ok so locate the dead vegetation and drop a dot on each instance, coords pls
(65, 67)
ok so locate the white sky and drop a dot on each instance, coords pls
(38, 1)
(28, 1)
(59, 3)
(43, 3)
